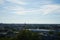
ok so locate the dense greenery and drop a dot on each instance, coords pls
(28, 35)
(24, 35)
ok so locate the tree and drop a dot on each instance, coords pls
(58, 34)
(51, 32)
(27, 35)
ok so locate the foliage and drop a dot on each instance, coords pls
(24, 35)
(27, 35)
(51, 32)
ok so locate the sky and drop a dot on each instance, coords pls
(30, 11)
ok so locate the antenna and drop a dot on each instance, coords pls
(24, 27)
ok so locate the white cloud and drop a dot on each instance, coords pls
(15, 8)
(25, 12)
(1, 1)
(46, 9)
(17, 2)
(44, 2)
(18, 10)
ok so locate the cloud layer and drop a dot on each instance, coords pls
(44, 8)
(31, 8)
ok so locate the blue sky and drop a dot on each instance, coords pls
(30, 11)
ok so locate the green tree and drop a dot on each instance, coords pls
(51, 33)
(27, 35)
(58, 34)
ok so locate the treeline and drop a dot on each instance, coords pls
(30, 26)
